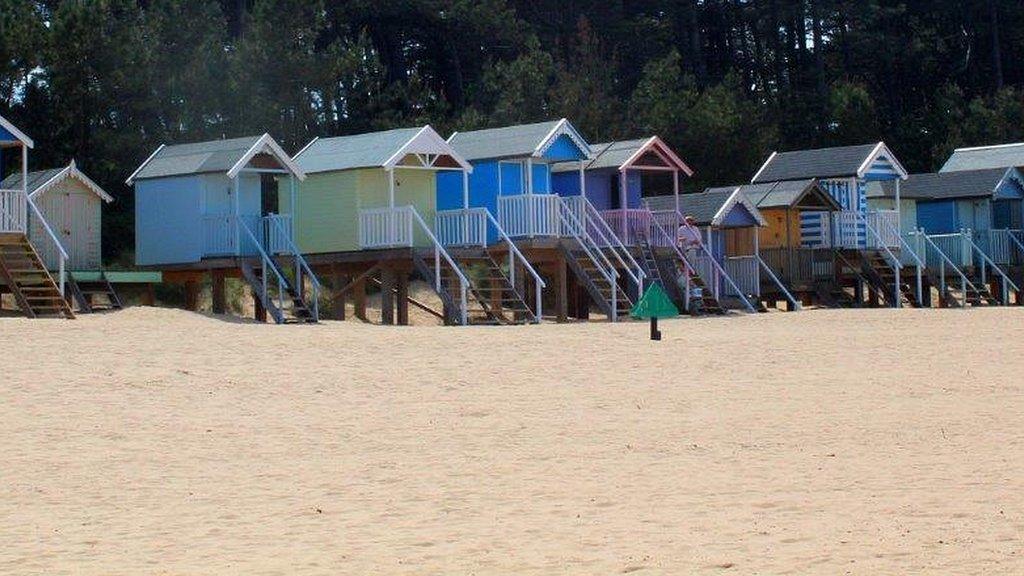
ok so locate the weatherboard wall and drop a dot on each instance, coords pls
(73, 212)
(326, 216)
(602, 187)
(168, 220)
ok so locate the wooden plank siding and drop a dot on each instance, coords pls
(73, 212)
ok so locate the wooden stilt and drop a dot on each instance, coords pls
(387, 297)
(562, 294)
(192, 289)
(403, 298)
(148, 296)
(339, 299)
(220, 301)
(359, 298)
(259, 312)
(520, 285)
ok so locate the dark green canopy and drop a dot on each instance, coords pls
(654, 304)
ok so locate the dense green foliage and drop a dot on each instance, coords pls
(723, 81)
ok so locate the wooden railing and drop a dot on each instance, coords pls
(461, 227)
(1004, 246)
(385, 227)
(631, 225)
(956, 247)
(220, 235)
(53, 240)
(530, 215)
(278, 234)
(13, 211)
(887, 225)
(745, 272)
(800, 267)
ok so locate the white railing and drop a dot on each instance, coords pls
(746, 273)
(985, 264)
(530, 215)
(13, 215)
(278, 229)
(887, 225)
(846, 229)
(53, 239)
(1006, 246)
(670, 222)
(513, 255)
(462, 227)
(219, 235)
(936, 259)
(603, 236)
(386, 227)
(956, 247)
(245, 233)
(277, 232)
(874, 238)
(439, 254)
(632, 225)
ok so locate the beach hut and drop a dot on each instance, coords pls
(729, 222)
(512, 179)
(865, 242)
(974, 217)
(985, 157)
(70, 204)
(211, 208)
(790, 270)
(371, 210)
(616, 180)
(23, 273)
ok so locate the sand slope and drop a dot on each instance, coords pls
(828, 442)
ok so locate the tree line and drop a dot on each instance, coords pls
(724, 82)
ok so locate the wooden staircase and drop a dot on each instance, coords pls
(295, 310)
(598, 287)
(25, 275)
(880, 274)
(491, 299)
(84, 290)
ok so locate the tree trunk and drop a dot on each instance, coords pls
(997, 56)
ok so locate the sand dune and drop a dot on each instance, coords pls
(827, 442)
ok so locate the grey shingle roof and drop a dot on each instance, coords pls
(368, 150)
(1003, 156)
(196, 158)
(702, 207)
(35, 179)
(943, 185)
(783, 194)
(507, 142)
(821, 163)
(606, 155)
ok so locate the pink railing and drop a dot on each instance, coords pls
(632, 225)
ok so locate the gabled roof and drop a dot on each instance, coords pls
(708, 208)
(786, 194)
(623, 154)
(839, 162)
(227, 156)
(982, 157)
(522, 141)
(42, 180)
(21, 136)
(384, 149)
(949, 185)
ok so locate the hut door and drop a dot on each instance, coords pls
(615, 201)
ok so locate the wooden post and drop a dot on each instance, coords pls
(148, 296)
(387, 297)
(359, 299)
(259, 312)
(220, 302)
(582, 302)
(403, 299)
(562, 294)
(520, 285)
(497, 292)
(339, 299)
(192, 289)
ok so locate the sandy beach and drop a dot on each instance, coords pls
(154, 441)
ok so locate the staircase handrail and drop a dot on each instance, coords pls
(717, 265)
(944, 259)
(539, 283)
(674, 243)
(439, 253)
(611, 239)
(1015, 241)
(894, 260)
(267, 264)
(903, 243)
(771, 274)
(53, 238)
(986, 259)
(303, 266)
(610, 274)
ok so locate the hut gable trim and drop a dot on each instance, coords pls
(562, 128)
(144, 164)
(882, 152)
(428, 146)
(737, 198)
(71, 171)
(658, 147)
(17, 133)
(267, 145)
